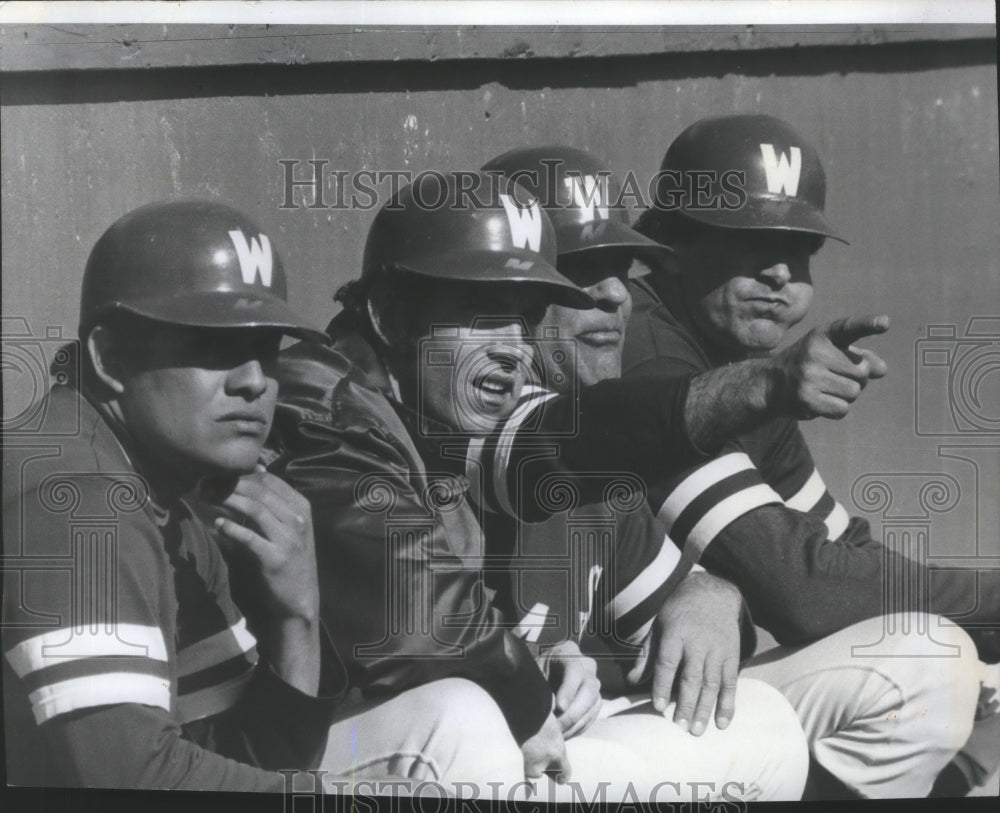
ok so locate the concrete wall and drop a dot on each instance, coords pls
(98, 120)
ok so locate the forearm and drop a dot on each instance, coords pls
(729, 401)
(618, 428)
(292, 647)
(635, 424)
(801, 586)
(146, 751)
(275, 725)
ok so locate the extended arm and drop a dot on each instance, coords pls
(820, 375)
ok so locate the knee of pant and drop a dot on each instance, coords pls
(939, 663)
(776, 731)
(937, 669)
(468, 711)
(473, 744)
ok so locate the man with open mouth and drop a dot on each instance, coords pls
(433, 352)
(433, 344)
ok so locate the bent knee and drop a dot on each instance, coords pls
(760, 701)
(466, 705)
(471, 743)
(935, 662)
(773, 727)
(934, 665)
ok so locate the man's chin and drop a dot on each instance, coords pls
(761, 337)
(233, 462)
(484, 418)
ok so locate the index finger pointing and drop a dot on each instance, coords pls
(846, 331)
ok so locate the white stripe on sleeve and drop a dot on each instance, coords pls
(699, 481)
(215, 649)
(68, 644)
(836, 522)
(212, 699)
(110, 689)
(725, 511)
(811, 493)
(648, 581)
(505, 444)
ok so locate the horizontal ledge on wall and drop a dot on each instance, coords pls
(25, 48)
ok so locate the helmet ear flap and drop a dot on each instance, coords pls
(391, 302)
(376, 322)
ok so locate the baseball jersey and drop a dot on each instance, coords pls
(127, 662)
(760, 514)
(573, 548)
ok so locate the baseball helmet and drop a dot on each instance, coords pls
(193, 262)
(782, 176)
(498, 233)
(580, 196)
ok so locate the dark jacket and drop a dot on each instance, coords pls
(399, 547)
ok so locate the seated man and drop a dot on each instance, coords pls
(434, 346)
(127, 662)
(811, 574)
(124, 632)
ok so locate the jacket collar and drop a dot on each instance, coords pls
(351, 338)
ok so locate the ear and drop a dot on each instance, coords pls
(106, 365)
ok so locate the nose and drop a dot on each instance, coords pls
(776, 275)
(247, 380)
(510, 355)
(610, 293)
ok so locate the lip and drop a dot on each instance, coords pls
(251, 423)
(768, 302)
(495, 388)
(601, 337)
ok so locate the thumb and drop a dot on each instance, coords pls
(638, 669)
(844, 332)
(560, 766)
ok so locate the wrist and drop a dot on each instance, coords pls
(769, 385)
(724, 590)
(279, 634)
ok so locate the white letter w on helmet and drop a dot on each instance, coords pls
(589, 195)
(782, 175)
(254, 257)
(525, 224)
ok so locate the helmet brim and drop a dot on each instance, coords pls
(779, 213)
(608, 234)
(522, 267)
(222, 309)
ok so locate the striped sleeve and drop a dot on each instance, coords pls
(488, 460)
(786, 463)
(90, 624)
(699, 504)
(815, 498)
(213, 672)
(648, 567)
(617, 425)
(69, 669)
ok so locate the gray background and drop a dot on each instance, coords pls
(97, 120)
